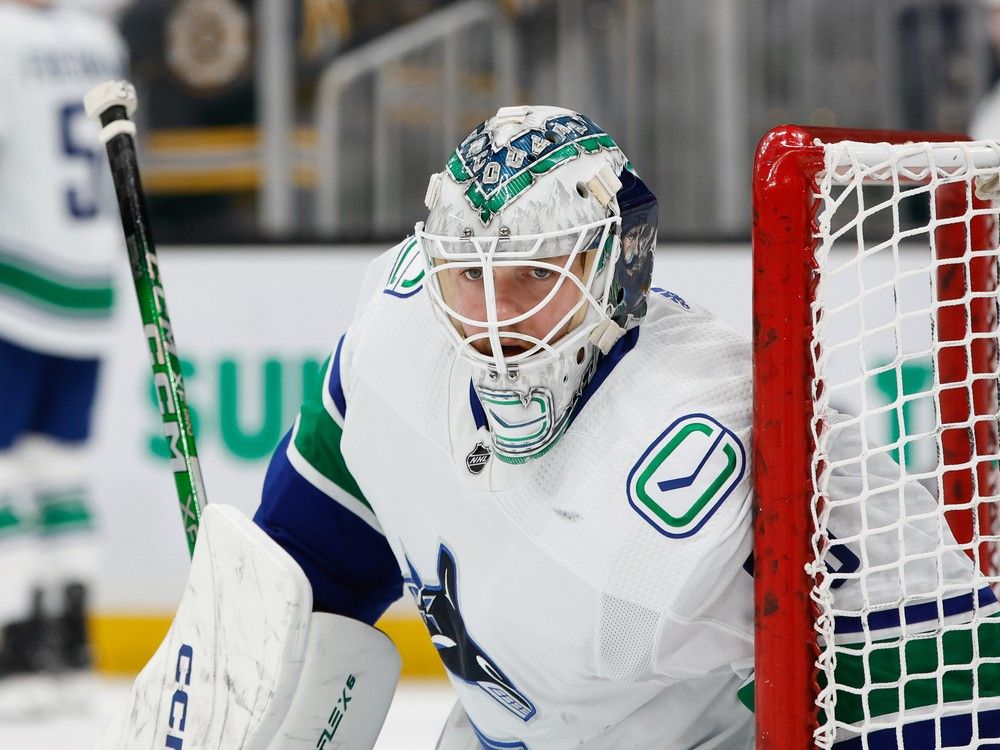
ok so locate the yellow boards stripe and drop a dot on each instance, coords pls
(123, 643)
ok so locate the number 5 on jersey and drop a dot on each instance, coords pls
(83, 199)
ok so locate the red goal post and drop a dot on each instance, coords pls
(786, 212)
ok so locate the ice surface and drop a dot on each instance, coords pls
(415, 719)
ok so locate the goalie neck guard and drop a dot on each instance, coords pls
(539, 247)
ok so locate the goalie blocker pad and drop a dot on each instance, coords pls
(247, 664)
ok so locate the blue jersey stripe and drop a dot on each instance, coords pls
(915, 613)
(336, 389)
(491, 744)
(350, 566)
(956, 731)
(605, 365)
(478, 413)
(667, 294)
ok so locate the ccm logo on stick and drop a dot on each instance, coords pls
(179, 703)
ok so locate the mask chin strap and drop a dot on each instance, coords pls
(605, 335)
(604, 185)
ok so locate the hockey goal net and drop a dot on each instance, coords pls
(875, 440)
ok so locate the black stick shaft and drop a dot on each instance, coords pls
(169, 384)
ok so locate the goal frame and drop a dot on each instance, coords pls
(785, 210)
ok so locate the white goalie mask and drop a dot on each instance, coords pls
(526, 265)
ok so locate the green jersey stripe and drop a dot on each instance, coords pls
(317, 439)
(914, 678)
(917, 672)
(92, 297)
(327, 486)
(10, 521)
(64, 511)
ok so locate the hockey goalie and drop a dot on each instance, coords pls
(548, 455)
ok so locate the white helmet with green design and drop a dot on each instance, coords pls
(539, 248)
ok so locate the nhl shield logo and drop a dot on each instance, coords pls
(686, 474)
(477, 458)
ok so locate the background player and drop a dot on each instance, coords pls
(58, 238)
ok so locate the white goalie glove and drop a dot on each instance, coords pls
(246, 663)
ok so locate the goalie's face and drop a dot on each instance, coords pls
(513, 299)
(534, 303)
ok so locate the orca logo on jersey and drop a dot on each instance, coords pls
(461, 655)
(685, 475)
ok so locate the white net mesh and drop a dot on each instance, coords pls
(904, 498)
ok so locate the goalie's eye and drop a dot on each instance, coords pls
(473, 274)
(540, 273)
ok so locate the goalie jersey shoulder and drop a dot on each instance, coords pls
(684, 362)
(391, 292)
(658, 463)
(687, 368)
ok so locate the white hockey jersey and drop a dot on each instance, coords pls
(600, 595)
(59, 231)
(573, 602)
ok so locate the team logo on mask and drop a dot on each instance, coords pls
(521, 424)
(499, 173)
(686, 474)
(478, 458)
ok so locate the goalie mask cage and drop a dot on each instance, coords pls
(874, 316)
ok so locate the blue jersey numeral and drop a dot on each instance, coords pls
(82, 201)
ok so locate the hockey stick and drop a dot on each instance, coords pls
(112, 103)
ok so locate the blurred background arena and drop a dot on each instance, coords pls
(284, 143)
(321, 119)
